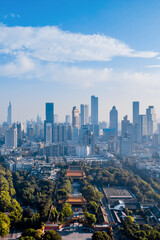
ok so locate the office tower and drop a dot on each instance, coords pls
(114, 119)
(94, 110)
(55, 133)
(50, 112)
(84, 128)
(102, 125)
(108, 133)
(49, 133)
(125, 126)
(38, 119)
(89, 140)
(75, 135)
(11, 138)
(75, 117)
(126, 145)
(49, 119)
(151, 121)
(67, 119)
(94, 115)
(69, 133)
(84, 114)
(38, 130)
(135, 112)
(19, 132)
(9, 115)
(55, 118)
(142, 128)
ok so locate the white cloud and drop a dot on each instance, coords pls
(25, 67)
(52, 44)
(42, 53)
(153, 66)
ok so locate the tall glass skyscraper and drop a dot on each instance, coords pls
(50, 112)
(94, 115)
(94, 110)
(75, 117)
(114, 119)
(84, 114)
(48, 123)
(135, 112)
(9, 115)
(151, 121)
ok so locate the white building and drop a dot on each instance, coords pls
(83, 151)
(11, 138)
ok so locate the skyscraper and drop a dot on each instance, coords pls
(84, 114)
(94, 115)
(142, 128)
(114, 119)
(151, 121)
(50, 112)
(135, 112)
(75, 117)
(94, 110)
(67, 119)
(48, 123)
(9, 115)
(11, 138)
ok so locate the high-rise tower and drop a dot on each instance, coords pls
(9, 115)
(75, 117)
(94, 110)
(114, 119)
(94, 115)
(151, 121)
(48, 123)
(135, 112)
(84, 114)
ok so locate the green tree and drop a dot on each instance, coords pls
(4, 224)
(27, 238)
(90, 218)
(62, 194)
(101, 236)
(61, 217)
(54, 215)
(52, 235)
(93, 207)
(67, 210)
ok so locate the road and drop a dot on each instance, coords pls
(105, 204)
(13, 236)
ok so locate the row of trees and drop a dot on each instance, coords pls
(134, 232)
(112, 176)
(33, 192)
(8, 203)
(64, 188)
(32, 234)
(90, 192)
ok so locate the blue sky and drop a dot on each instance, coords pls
(65, 51)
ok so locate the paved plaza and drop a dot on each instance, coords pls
(77, 233)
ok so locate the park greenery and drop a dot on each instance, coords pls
(134, 231)
(32, 234)
(100, 236)
(35, 193)
(26, 201)
(90, 192)
(112, 176)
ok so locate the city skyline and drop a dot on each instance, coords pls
(57, 52)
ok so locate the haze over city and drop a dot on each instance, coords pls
(64, 53)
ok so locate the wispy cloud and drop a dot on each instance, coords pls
(12, 15)
(153, 66)
(44, 53)
(52, 44)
